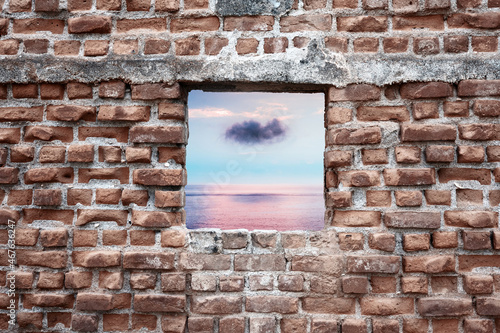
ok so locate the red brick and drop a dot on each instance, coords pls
(46, 5)
(138, 5)
(382, 241)
(87, 323)
(467, 197)
(429, 264)
(89, 24)
(338, 158)
(25, 91)
(366, 44)
(484, 43)
(456, 109)
(167, 5)
(89, 215)
(306, 22)
(114, 237)
(416, 242)
(247, 45)
(22, 154)
(488, 306)
(343, 136)
(478, 326)
(82, 196)
(123, 113)
(488, 20)
(386, 306)
(456, 44)
(472, 88)
(34, 25)
(407, 219)
(403, 177)
(444, 307)
(210, 23)
(408, 198)
(336, 44)
(78, 90)
(157, 219)
(173, 282)
(248, 23)
(374, 156)
(414, 132)
(204, 262)
(362, 24)
(147, 24)
(96, 258)
(267, 262)
(140, 321)
(275, 45)
(157, 134)
(330, 264)
(49, 175)
(445, 239)
(479, 132)
(356, 219)
(79, 5)
(52, 259)
(30, 319)
(336, 115)
(339, 199)
(115, 322)
(478, 284)
(476, 240)
(226, 304)
(385, 325)
(36, 46)
(444, 284)
(359, 178)
(354, 92)
(78, 280)
(54, 238)
(426, 90)
(152, 91)
(373, 264)
(33, 133)
(483, 176)
(187, 46)
(381, 113)
(156, 46)
(395, 44)
(52, 154)
(414, 285)
(425, 110)
(59, 318)
(85, 238)
(85, 175)
(407, 155)
(138, 197)
(19, 6)
(48, 280)
(148, 260)
(354, 326)
(355, 285)
(329, 305)
(440, 154)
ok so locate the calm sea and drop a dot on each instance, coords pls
(264, 207)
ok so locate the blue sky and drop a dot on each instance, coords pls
(291, 155)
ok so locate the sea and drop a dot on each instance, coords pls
(255, 207)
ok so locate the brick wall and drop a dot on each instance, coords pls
(93, 134)
(94, 175)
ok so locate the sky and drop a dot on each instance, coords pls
(255, 138)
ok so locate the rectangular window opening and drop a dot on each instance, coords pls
(255, 161)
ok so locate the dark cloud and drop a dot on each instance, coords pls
(252, 132)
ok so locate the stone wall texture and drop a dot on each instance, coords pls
(93, 133)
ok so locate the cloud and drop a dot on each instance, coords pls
(252, 132)
(210, 113)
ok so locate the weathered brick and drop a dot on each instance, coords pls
(429, 264)
(52, 259)
(332, 265)
(478, 284)
(248, 23)
(426, 90)
(209, 23)
(440, 154)
(471, 219)
(466, 263)
(157, 218)
(306, 22)
(157, 134)
(343, 136)
(219, 304)
(404, 177)
(362, 24)
(356, 219)
(416, 242)
(386, 306)
(96, 258)
(268, 303)
(148, 260)
(414, 285)
(381, 113)
(418, 132)
(444, 307)
(359, 178)
(476, 240)
(355, 285)
(354, 92)
(89, 24)
(123, 113)
(21, 114)
(93, 215)
(413, 220)
(328, 305)
(479, 132)
(191, 261)
(408, 198)
(267, 262)
(373, 264)
(382, 241)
